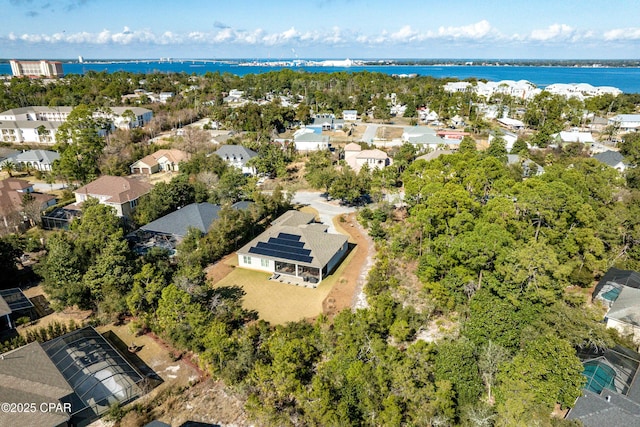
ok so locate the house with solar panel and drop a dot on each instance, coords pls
(619, 292)
(80, 373)
(295, 248)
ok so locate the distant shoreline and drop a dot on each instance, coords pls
(443, 62)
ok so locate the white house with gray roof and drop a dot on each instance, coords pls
(613, 159)
(238, 157)
(311, 141)
(626, 122)
(295, 248)
(41, 160)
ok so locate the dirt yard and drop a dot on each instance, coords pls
(389, 132)
(39, 298)
(345, 292)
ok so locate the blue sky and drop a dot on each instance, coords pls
(354, 29)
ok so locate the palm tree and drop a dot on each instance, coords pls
(9, 167)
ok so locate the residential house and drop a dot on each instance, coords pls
(529, 167)
(425, 137)
(613, 159)
(598, 124)
(238, 157)
(41, 160)
(454, 87)
(235, 96)
(626, 122)
(611, 395)
(509, 138)
(161, 160)
(311, 142)
(573, 136)
(326, 122)
(12, 192)
(81, 373)
(619, 291)
(168, 231)
(350, 115)
(165, 96)
(296, 249)
(428, 116)
(121, 193)
(457, 121)
(512, 124)
(434, 155)
(356, 157)
(13, 305)
(7, 154)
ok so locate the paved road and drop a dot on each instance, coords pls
(327, 210)
(370, 133)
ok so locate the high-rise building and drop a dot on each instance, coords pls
(41, 68)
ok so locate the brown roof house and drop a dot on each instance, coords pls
(12, 209)
(121, 193)
(295, 249)
(161, 160)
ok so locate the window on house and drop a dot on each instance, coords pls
(264, 262)
(246, 259)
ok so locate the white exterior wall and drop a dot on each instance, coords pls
(335, 260)
(311, 145)
(256, 263)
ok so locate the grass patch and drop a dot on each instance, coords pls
(279, 303)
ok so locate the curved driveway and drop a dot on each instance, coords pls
(326, 209)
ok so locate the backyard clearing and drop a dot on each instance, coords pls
(279, 303)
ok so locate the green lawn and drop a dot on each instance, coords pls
(277, 302)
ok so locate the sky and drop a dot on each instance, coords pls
(355, 29)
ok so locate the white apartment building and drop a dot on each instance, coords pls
(39, 124)
(36, 68)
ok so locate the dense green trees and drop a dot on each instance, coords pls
(80, 145)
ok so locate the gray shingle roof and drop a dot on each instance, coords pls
(177, 223)
(236, 153)
(611, 158)
(594, 410)
(42, 156)
(323, 245)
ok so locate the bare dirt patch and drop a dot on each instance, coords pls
(389, 132)
(349, 285)
(39, 298)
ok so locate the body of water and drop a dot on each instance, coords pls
(626, 79)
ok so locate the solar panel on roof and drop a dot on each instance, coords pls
(288, 236)
(286, 242)
(280, 254)
(284, 248)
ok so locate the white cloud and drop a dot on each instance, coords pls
(475, 31)
(622, 34)
(553, 32)
(405, 36)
